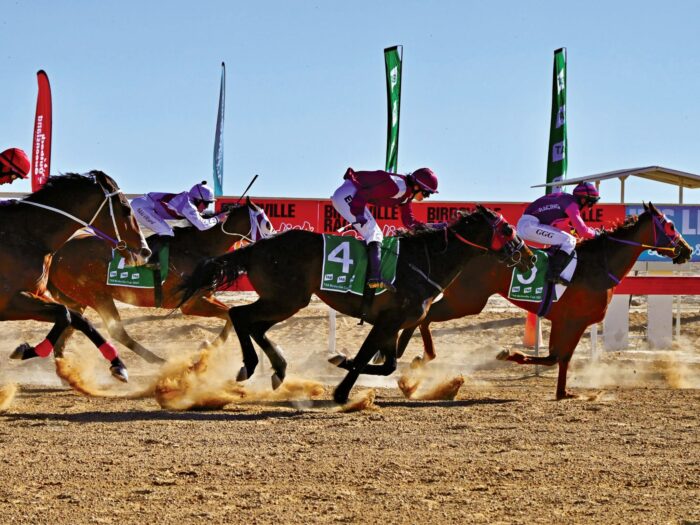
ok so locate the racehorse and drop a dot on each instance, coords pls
(602, 263)
(285, 271)
(33, 228)
(78, 274)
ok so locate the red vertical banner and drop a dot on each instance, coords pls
(41, 150)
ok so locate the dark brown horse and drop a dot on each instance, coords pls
(602, 263)
(78, 274)
(285, 270)
(32, 229)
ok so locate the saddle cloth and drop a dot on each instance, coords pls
(136, 276)
(530, 286)
(345, 263)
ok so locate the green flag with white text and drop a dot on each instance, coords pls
(392, 61)
(556, 159)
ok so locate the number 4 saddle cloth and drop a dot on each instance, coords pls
(345, 263)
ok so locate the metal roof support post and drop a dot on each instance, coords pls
(622, 189)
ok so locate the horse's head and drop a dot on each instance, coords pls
(112, 219)
(490, 231)
(249, 222)
(664, 237)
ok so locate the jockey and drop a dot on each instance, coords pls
(545, 220)
(153, 209)
(14, 164)
(383, 189)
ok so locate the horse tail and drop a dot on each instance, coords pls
(215, 272)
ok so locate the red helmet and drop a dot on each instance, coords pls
(16, 161)
(426, 179)
(588, 191)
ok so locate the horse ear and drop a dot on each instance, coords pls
(646, 208)
(247, 201)
(653, 209)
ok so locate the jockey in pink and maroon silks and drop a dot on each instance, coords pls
(546, 220)
(380, 188)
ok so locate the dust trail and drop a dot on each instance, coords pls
(362, 401)
(7, 396)
(675, 369)
(427, 383)
(202, 381)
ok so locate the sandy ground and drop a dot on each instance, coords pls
(504, 451)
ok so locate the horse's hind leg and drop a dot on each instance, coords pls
(254, 320)
(272, 351)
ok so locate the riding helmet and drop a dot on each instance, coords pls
(15, 160)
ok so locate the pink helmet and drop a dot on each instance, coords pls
(588, 191)
(201, 192)
(16, 161)
(426, 179)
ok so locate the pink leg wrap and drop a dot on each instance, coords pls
(108, 351)
(44, 348)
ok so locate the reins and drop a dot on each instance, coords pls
(117, 243)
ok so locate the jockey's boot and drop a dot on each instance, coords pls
(557, 262)
(374, 265)
(156, 243)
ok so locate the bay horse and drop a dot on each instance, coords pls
(78, 274)
(602, 263)
(285, 271)
(33, 228)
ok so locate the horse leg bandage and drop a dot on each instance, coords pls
(44, 348)
(108, 351)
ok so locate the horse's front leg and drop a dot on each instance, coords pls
(563, 339)
(380, 337)
(208, 306)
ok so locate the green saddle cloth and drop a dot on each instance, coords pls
(345, 263)
(136, 276)
(529, 286)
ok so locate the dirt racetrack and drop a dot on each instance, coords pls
(504, 451)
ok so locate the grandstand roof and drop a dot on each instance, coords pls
(681, 179)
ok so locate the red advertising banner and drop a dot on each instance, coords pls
(318, 215)
(41, 150)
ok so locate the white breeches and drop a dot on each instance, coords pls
(341, 200)
(530, 229)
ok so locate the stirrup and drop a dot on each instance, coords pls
(380, 284)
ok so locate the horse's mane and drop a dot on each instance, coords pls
(418, 233)
(65, 182)
(629, 223)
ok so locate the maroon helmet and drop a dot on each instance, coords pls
(588, 192)
(14, 160)
(426, 179)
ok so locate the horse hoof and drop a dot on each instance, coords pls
(19, 352)
(503, 355)
(337, 359)
(340, 397)
(276, 381)
(120, 373)
(242, 375)
(417, 362)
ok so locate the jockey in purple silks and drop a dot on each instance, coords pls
(14, 164)
(545, 218)
(380, 188)
(153, 209)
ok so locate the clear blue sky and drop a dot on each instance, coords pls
(136, 83)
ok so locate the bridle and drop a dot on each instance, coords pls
(508, 249)
(117, 243)
(659, 224)
(255, 233)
